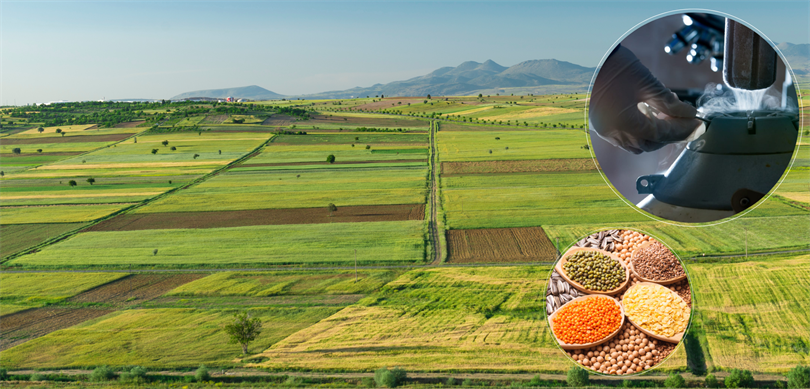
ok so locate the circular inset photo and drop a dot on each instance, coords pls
(618, 302)
(693, 117)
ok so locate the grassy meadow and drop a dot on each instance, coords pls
(540, 144)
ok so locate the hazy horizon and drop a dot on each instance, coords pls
(88, 51)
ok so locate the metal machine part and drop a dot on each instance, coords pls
(750, 61)
(702, 34)
(739, 158)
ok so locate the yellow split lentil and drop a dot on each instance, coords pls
(656, 309)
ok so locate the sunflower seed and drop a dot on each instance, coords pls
(553, 286)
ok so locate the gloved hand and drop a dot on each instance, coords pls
(622, 83)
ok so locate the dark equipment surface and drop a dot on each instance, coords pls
(750, 61)
(741, 156)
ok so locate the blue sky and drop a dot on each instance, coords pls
(143, 49)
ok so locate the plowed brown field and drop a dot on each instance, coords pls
(258, 217)
(33, 323)
(499, 245)
(539, 165)
(135, 288)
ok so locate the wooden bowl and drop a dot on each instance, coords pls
(567, 346)
(582, 288)
(640, 278)
(673, 339)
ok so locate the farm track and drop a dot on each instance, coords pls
(433, 223)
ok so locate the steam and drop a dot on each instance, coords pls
(718, 98)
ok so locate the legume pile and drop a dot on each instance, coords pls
(656, 263)
(656, 308)
(631, 351)
(594, 270)
(587, 321)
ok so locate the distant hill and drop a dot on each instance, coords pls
(798, 56)
(472, 77)
(252, 92)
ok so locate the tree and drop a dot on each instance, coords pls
(368, 147)
(739, 379)
(39, 150)
(154, 151)
(428, 96)
(16, 150)
(91, 180)
(58, 130)
(330, 158)
(390, 378)
(72, 183)
(675, 381)
(165, 143)
(102, 373)
(243, 330)
(480, 95)
(577, 377)
(173, 148)
(799, 377)
(40, 129)
(196, 155)
(331, 208)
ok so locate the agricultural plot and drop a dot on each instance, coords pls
(754, 314)
(286, 283)
(439, 320)
(260, 217)
(483, 146)
(519, 166)
(376, 243)
(31, 290)
(20, 327)
(308, 154)
(307, 189)
(531, 199)
(757, 233)
(353, 138)
(57, 213)
(157, 338)
(97, 193)
(498, 245)
(16, 237)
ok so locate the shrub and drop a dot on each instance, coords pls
(36, 377)
(202, 374)
(366, 382)
(739, 379)
(467, 383)
(294, 382)
(3, 374)
(390, 378)
(577, 377)
(451, 381)
(711, 381)
(173, 148)
(330, 158)
(102, 373)
(136, 375)
(16, 150)
(675, 381)
(799, 377)
(368, 147)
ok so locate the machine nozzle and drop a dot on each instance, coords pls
(749, 61)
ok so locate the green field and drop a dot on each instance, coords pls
(531, 199)
(276, 153)
(360, 138)
(541, 144)
(752, 313)
(278, 189)
(56, 213)
(440, 320)
(263, 284)
(157, 338)
(31, 290)
(376, 243)
(15, 237)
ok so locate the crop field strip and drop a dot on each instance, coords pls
(189, 336)
(461, 146)
(377, 243)
(498, 245)
(32, 290)
(258, 217)
(518, 166)
(15, 237)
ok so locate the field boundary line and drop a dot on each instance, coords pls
(92, 223)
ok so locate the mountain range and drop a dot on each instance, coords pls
(470, 78)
